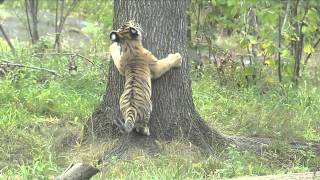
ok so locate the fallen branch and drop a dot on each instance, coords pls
(63, 54)
(9, 63)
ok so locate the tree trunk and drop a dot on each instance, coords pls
(279, 49)
(32, 11)
(7, 40)
(173, 113)
(60, 24)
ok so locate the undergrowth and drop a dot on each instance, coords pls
(264, 109)
(35, 106)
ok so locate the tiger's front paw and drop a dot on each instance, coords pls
(177, 59)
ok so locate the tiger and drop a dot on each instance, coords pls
(138, 66)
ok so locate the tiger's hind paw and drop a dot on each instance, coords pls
(143, 130)
(128, 126)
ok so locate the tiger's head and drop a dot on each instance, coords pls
(130, 31)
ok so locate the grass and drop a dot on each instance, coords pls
(273, 111)
(38, 112)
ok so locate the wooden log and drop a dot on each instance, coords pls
(78, 171)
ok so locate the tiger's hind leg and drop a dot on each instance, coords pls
(119, 123)
(128, 126)
(142, 127)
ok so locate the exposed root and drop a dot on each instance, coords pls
(131, 141)
(259, 145)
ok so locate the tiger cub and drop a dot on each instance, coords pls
(139, 66)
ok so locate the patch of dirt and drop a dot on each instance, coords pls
(65, 136)
(16, 148)
(293, 176)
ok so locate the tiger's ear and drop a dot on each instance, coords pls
(114, 36)
(133, 32)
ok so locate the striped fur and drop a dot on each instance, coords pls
(138, 66)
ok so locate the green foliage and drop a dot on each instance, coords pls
(256, 25)
(103, 14)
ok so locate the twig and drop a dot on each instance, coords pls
(63, 54)
(286, 15)
(309, 55)
(9, 63)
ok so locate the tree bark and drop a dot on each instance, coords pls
(174, 115)
(298, 44)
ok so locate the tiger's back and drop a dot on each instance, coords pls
(135, 102)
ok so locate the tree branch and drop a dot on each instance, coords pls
(309, 55)
(62, 22)
(63, 54)
(9, 63)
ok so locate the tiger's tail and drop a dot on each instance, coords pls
(130, 119)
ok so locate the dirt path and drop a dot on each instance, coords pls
(293, 176)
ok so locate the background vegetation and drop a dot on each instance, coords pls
(255, 72)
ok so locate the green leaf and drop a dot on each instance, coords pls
(253, 39)
(270, 79)
(271, 62)
(288, 69)
(312, 15)
(285, 53)
(249, 71)
(308, 49)
(266, 44)
(214, 3)
(244, 42)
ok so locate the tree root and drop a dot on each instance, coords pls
(131, 141)
(261, 144)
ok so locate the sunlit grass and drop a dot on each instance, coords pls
(272, 111)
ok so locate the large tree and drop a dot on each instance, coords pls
(174, 115)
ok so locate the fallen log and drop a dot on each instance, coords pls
(78, 171)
